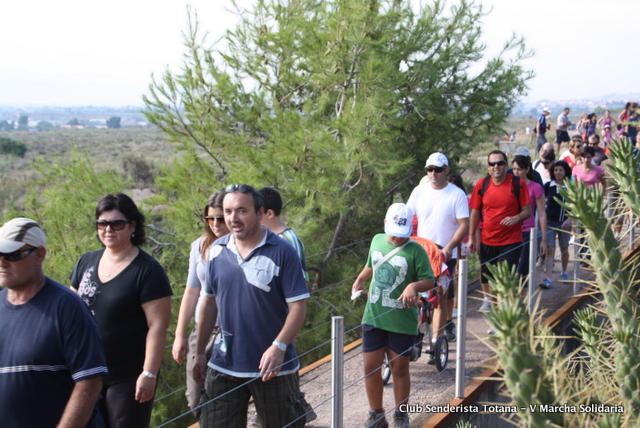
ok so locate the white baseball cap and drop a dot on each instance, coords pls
(17, 232)
(398, 221)
(437, 159)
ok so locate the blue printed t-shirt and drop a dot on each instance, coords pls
(252, 297)
(47, 345)
(408, 265)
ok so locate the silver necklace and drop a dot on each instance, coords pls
(116, 269)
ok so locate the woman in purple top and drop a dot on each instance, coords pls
(522, 169)
(592, 123)
(587, 171)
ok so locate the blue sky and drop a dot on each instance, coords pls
(78, 52)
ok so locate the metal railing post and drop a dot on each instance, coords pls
(337, 371)
(576, 254)
(461, 349)
(533, 252)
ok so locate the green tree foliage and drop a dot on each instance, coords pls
(12, 147)
(114, 122)
(23, 122)
(139, 171)
(73, 122)
(43, 126)
(7, 126)
(336, 104)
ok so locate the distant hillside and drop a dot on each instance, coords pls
(613, 102)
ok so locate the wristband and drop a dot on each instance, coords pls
(148, 374)
(281, 346)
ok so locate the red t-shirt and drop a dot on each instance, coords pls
(497, 203)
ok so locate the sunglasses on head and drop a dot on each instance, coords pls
(435, 168)
(242, 188)
(18, 255)
(115, 224)
(211, 219)
(499, 163)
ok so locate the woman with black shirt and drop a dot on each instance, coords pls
(129, 294)
(557, 222)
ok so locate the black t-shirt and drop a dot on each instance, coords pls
(117, 306)
(600, 156)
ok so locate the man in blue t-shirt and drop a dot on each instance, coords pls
(52, 363)
(541, 128)
(256, 290)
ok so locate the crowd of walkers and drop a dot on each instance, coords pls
(104, 341)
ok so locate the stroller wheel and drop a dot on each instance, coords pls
(441, 352)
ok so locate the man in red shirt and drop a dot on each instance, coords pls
(503, 204)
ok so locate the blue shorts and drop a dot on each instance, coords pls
(374, 338)
(563, 235)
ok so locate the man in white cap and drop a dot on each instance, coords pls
(400, 269)
(541, 128)
(443, 217)
(51, 358)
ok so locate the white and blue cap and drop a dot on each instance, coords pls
(398, 221)
(19, 232)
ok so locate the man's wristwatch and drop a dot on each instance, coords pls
(281, 346)
(148, 374)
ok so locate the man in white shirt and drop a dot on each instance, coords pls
(562, 129)
(443, 217)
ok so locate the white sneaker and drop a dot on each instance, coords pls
(486, 306)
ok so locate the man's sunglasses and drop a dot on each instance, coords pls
(499, 163)
(435, 169)
(16, 256)
(115, 224)
(211, 219)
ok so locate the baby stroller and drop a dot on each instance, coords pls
(427, 304)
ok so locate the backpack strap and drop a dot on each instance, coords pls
(485, 185)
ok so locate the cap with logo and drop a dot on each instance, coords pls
(398, 221)
(19, 232)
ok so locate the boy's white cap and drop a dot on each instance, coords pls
(17, 232)
(398, 221)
